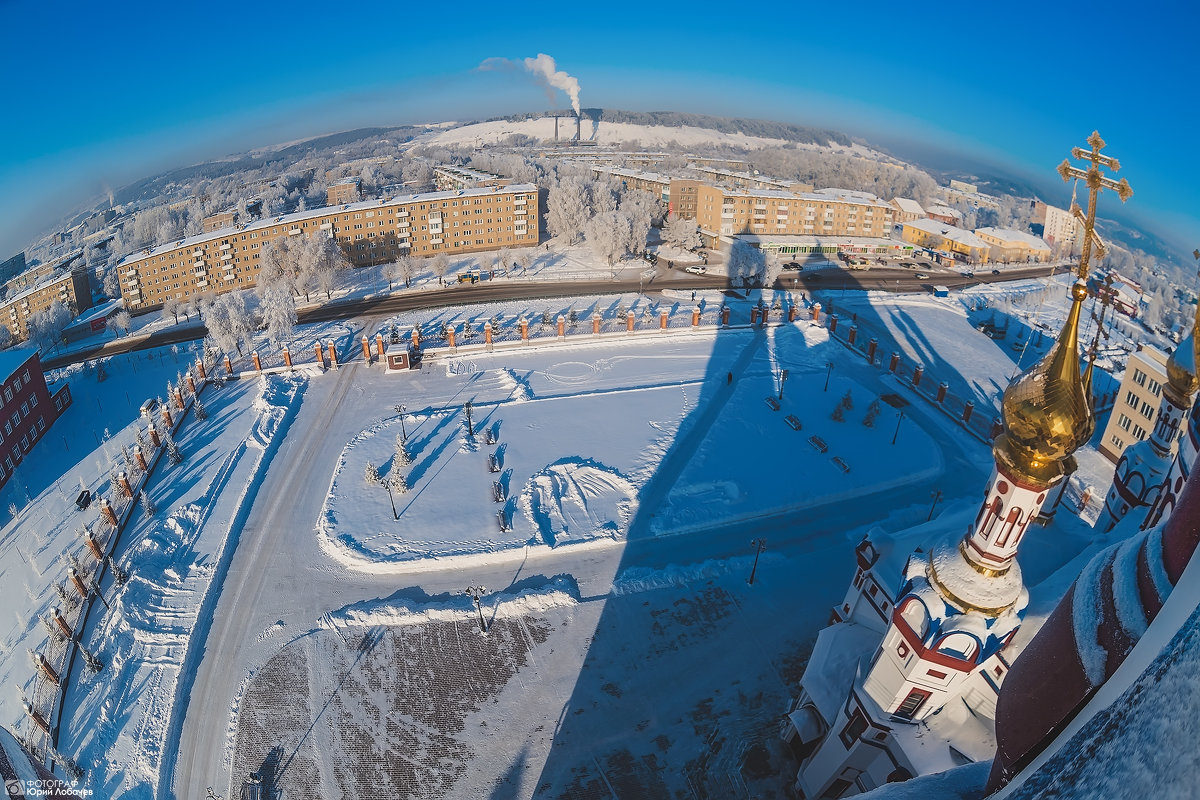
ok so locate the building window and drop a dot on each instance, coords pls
(854, 728)
(1147, 411)
(8, 393)
(1115, 440)
(912, 704)
(25, 443)
(1131, 399)
(1155, 387)
(1139, 432)
(1124, 422)
(41, 423)
(33, 401)
(1139, 377)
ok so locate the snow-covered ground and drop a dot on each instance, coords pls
(634, 473)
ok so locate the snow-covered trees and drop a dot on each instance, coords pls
(440, 265)
(278, 306)
(682, 233)
(122, 322)
(328, 261)
(371, 475)
(402, 269)
(610, 235)
(229, 322)
(46, 327)
(747, 265)
(642, 211)
(568, 208)
(401, 457)
(171, 308)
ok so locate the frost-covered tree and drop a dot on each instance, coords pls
(402, 269)
(122, 322)
(568, 208)
(328, 262)
(872, 413)
(610, 235)
(371, 475)
(278, 306)
(111, 282)
(148, 506)
(6, 337)
(681, 233)
(747, 265)
(642, 211)
(171, 308)
(46, 327)
(397, 482)
(401, 458)
(199, 410)
(440, 265)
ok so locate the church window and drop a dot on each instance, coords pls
(915, 616)
(912, 704)
(958, 645)
(854, 728)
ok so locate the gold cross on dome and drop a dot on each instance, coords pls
(1095, 182)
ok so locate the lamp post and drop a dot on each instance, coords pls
(759, 545)
(828, 372)
(476, 593)
(400, 409)
(899, 419)
(470, 424)
(937, 495)
(783, 376)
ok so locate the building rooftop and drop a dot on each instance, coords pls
(1009, 236)
(944, 211)
(947, 232)
(909, 206)
(317, 213)
(49, 280)
(13, 359)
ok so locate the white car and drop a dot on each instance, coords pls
(696, 269)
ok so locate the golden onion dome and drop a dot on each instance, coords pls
(1045, 410)
(1181, 367)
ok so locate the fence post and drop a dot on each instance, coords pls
(918, 370)
(257, 362)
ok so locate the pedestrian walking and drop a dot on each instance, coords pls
(729, 378)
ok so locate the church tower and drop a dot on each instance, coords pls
(958, 602)
(1142, 471)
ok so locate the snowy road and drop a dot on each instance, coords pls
(280, 583)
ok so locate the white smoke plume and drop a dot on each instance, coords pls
(545, 71)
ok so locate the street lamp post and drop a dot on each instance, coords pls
(400, 409)
(783, 376)
(470, 423)
(899, 419)
(476, 593)
(828, 372)
(759, 545)
(937, 495)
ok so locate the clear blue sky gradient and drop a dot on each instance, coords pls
(101, 94)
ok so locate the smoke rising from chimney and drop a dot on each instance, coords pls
(544, 71)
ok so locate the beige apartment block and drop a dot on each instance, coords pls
(225, 219)
(369, 232)
(344, 191)
(73, 290)
(1059, 227)
(936, 235)
(1133, 414)
(825, 212)
(448, 178)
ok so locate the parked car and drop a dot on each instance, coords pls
(651, 258)
(796, 265)
(696, 269)
(995, 272)
(922, 276)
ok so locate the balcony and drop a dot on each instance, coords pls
(295, 232)
(436, 240)
(227, 257)
(226, 246)
(202, 283)
(401, 214)
(327, 226)
(519, 202)
(229, 276)
(520, 212)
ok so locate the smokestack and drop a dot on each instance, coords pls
(578, 125)
(556, 128)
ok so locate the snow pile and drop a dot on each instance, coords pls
(559, 592)
(644, 579)
(578, 499)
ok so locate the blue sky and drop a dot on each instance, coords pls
(102, 94)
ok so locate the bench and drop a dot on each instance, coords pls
(818, 444)
(773, 403)
(793, 422)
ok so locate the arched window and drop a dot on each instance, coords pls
(915, 616)
(959, 645)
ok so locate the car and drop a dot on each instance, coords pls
(995, 272)
(922, 276)
(696, 269)
(149, 407)
(651, 258)
(966, 273)
(796, 265)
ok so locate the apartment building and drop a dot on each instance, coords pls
(652, 182)
(1059, 227)
(369, 232)
(72, 289)
(748, 180)
(447, 178)
(224, 219)
(825, 212)
(27, 406)
(1006, 244)
(1132, 418)
(907, 209)
(348, 190)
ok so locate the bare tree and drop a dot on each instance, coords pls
(682, 233)
(440, 265)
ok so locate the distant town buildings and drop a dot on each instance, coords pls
(12, 267)
(225, 219)
(368, 232)
(448, 178)
(27, 407)
(943, 213)
(347, 190)
(1132, 418)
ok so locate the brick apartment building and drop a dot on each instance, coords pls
(27, 407)
(369, 232)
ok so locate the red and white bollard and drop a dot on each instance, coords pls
(524, 324)
(139, 457)
(123, 483)
(629, 322)
(366, 348)
(257, 362)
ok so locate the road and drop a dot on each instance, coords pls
(891, 279)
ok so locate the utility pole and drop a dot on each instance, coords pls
(759, 545)
(476, 592)
(470, 424)
(828, 372)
